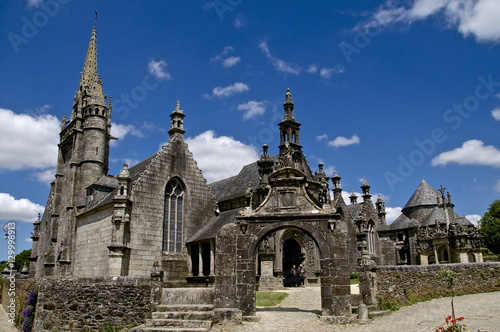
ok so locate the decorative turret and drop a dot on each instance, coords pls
(265, 164)
(353, 197)
(177, 120)
(289, 128)
(380, 204)
(337, 189)
(365, 187)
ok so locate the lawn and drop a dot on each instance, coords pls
(269, 299)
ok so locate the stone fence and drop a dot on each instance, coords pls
(90, 303)
(405, 284)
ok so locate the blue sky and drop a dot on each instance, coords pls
(391, 90)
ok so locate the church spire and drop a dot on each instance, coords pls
(90, 86)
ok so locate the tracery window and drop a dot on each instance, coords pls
(172, 216)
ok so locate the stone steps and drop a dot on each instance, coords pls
(180, 317)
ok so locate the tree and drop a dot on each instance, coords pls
(489, 226)
(21, 259)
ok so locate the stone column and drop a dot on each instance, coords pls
(436, 256)
(200, 260)
(156, 284)
(212, 257)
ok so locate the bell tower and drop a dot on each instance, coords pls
(83, 158)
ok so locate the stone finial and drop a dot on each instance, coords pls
(124, 173)
(288, 95)
(353, 198)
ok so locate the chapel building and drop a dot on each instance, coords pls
(163, 210)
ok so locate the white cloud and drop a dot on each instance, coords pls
(312, 69)
(12, 209)
(34, 4)
(279, 64)
(480, 18)
(252, 109)
(46, 176)
(472, 152)
(224, 92)
(392, 214)
(496, 113)
(231, 61)
(473, 218)
(321, 137)
(158, 69)
(121, 131)
(240, 21)
(327, 73)
(220, 157)
(497, 186)
(344, 141)
(225, 60)
(28, 141)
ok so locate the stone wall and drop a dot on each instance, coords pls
(409, 283)
(88, 304)
(93, 235)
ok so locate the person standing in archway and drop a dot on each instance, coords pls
(295, 276)
(302, 275)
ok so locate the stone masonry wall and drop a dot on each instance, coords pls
(409, 283)
(93, 235)
(88, 304)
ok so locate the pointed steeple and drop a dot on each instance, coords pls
(177, 120)
(89, 90)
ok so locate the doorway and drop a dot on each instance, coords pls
(292, 255)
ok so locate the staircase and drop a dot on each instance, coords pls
(182, 309)
(181, 317)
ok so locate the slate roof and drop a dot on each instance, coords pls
(424, 195)
(236, 186)
(403, 222)
(210, 229)
(354, 210)
(135, 171)
(439, 214)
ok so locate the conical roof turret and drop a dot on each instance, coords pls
(424, 195)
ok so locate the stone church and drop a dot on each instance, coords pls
(163, 210)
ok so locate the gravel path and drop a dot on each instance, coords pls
(300, 310)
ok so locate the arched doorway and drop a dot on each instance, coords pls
(292, 254)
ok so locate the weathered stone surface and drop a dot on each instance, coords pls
(90, 303)
(399, 284)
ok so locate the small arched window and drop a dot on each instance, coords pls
(371, 237)
(172, 216)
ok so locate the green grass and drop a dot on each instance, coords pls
(354, 281)
(269, 299)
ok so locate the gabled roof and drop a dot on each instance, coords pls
(236, 186)
(212, 227)
(424, 195)
(403, 222)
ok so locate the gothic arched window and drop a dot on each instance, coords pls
(172, 216)
(371, 237)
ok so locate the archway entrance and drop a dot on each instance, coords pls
(291, 255)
